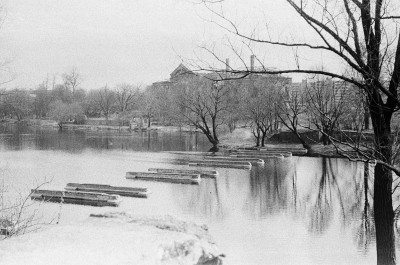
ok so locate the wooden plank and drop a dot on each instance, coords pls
(164, 177)
(264, 157)
(76, 197)
(122, 191)
(76, 201)
(202, 173)
(222, 165)
(228, 162)
(293, 150)
(195, 153)
(252, 160)
(268, 153)
(299, 151)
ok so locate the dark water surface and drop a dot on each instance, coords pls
(295, 210)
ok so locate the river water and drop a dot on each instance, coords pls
(296, 210)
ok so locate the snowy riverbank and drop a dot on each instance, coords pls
(114, 238)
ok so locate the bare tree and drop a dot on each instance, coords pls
(66, 113)
(19, 103)
(72, 80)
(262, 105)
(364, 35)
(90, 106)
(42, 99)
(60, 92)
(202, 103)
(18, 216)
(325, 106)
(126, 95)
(148, 104)
(292, 111)
(106, 100)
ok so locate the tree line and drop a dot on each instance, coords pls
(266, 104)
(68, 102)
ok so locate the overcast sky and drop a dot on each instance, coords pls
(117, 41)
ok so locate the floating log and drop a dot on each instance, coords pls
(277, 147)
(291, 149)
(252, 160)
(165, 177)
(76, 197)
(268, 153)
(196, 153)
(249, 148)
(202, 173)
(122, 191)
(263, 157)
(244, 165)
(296, 151)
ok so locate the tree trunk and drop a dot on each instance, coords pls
(211, 139)
(256, 134)
(214, 149)
(366, 119)
(383, 215)
(214, 131)
(294, 130)
(305, 145)
(326, 132)
(264, 135)
(214, 142)
(383, 207)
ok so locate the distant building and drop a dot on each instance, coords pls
(237, 82)
(183, 74)
(178, 75)
(342, 90)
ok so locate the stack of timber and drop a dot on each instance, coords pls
(195, 153)
(165, 177)
(267, 153)
(256, 156)
(220, 163)
(202, 173)
(76, 197)
(294, 150)
(252, 160)
(122, 191)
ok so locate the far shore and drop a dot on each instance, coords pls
(239, 138)
(97, 127)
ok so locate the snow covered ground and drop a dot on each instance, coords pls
(114, 238)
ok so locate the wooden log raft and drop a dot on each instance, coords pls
(195, 153)
(122, 191)
(165, 177)
(294, 151)
(202, 173)
(262, 152)
(223, 164)
(252, 160)
(256, 156)
(76, 197)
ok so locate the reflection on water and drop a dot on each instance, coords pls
(23, 137)
(296, 210)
